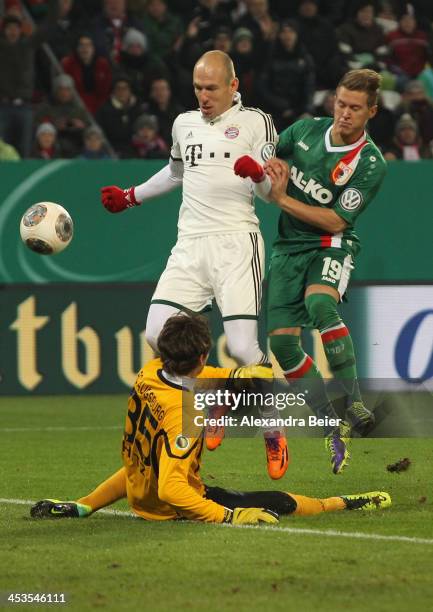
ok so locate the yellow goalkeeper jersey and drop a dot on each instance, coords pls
(162, 464)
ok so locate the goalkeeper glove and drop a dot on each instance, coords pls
(247, 166)
(252, 377)
(252, 516)
(253, 371)
(115, 199)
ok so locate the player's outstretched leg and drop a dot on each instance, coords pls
(300, 372)
(337, 443)
(277, 451)
(340, 354)
(55, 508)
(375, 500)
(243, 345)
(290, 503)
(108, 492)
(307, 506)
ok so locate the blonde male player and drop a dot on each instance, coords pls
(219, 252)
(161, 463)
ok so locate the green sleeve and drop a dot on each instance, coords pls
(361, 189)
(286, 141)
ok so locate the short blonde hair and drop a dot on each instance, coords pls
(363, 79)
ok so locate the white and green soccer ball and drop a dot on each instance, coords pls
(46, 228)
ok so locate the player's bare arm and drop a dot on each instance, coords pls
(323, 218)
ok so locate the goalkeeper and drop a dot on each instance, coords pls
(161, 465)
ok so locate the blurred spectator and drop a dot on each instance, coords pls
(15, 9)
(8, 152)
(17, 76)
(407, 145)
(110, 27)
(326, 107)
(163, 107)
(409, 47)
(287, 82)
(245, 62)
(386, 16)
(162, 27)
(137, 7)
(81, 11)
(361, 40)
(206, 18)
(61, 39)
(336, 11)
(63, 35)
(381, 127)
(65, 113)
(415, 102)
(264, 28)
(423, 10)
(46, 145)
(94, 144)
(92, 74)
(140, 66)
(38, 9)
(318, 36)
(222, 40)
(118, 114)
(191, 47)
(146, 142)
(426, 78)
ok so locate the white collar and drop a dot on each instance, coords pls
(180, 381)
(331, 149)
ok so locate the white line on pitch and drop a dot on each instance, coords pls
(84, 428)
(333, 533)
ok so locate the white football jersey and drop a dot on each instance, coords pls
(215, 200)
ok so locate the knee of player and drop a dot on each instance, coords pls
(244, 351)
(290, 504)
(322, 309)
(285, 347)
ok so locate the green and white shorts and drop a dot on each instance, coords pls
(227, 267)
(291, 273)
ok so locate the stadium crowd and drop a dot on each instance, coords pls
(120, 70)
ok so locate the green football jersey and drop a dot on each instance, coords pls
(344, 178)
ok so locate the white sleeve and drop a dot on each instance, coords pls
(264, 148)
(263, 188)
(162, 182)
(165, 180)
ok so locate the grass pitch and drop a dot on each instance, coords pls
(63, 446)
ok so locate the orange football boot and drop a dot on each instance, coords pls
(277, 454)
(214, 434)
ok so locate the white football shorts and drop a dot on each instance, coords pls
(227, 267)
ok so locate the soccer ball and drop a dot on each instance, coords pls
(46, 228)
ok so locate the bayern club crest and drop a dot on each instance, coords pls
(231, 132)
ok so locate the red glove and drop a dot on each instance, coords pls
(247, 166)
(115, 199)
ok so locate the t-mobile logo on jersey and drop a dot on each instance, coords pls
(191, 155)
(193, 152)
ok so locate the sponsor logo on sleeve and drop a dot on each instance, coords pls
(351, 199)
(268, 151)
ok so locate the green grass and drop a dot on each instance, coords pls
(119, 563)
